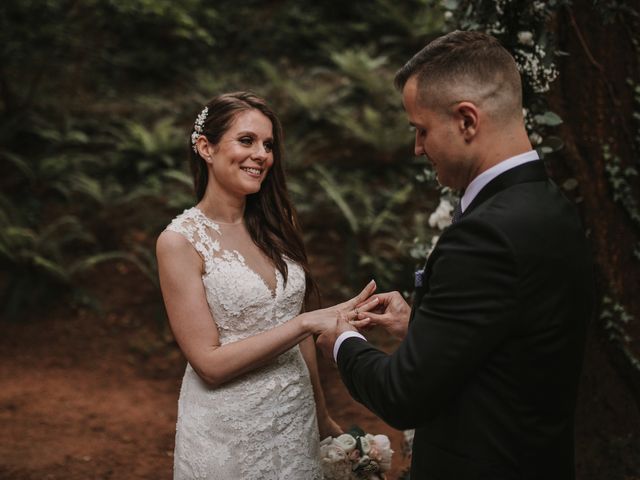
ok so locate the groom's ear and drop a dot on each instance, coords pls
(467, 116)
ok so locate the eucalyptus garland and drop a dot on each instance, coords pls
(521, 26)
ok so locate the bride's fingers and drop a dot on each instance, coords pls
(366, 292)
(368, 306)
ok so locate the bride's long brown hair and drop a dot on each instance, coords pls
(270, 218)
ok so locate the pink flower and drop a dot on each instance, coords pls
(354, 456)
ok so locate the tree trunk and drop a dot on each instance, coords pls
(593, 96)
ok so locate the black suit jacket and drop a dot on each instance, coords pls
(488, 371)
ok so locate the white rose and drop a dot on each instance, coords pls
(326, 441)
(441, 217)
(335, 464)
(382, 442)
(525, 38)
(332, 454)
(383, 446)
(346, 442)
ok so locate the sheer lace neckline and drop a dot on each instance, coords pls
(218, 222)
(272, 287)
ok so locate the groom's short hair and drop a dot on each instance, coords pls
(466, 66)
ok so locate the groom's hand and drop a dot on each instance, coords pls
(392, 314)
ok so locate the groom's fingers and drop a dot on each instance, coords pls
(361, 324)
(370, 319)
(368, 306)
(384, 298)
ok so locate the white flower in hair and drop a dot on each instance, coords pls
(198, 127)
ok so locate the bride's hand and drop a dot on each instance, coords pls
(328, 427)
(317, 321)
(359, 299)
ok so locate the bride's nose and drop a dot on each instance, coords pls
(260, 154)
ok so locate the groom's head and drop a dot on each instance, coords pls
(462, 93)
(470, 66)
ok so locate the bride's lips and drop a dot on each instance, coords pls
(254, 172)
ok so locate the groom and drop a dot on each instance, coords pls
(487, 370)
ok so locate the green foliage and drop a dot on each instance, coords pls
(616, 320)
(97, 102)
(40, 263)
(522, 28)
(620, 178)
(370, 211)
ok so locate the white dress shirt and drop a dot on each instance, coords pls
(470, 193)
(485, 177)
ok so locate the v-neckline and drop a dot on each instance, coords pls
(274, 292)
(241, 259)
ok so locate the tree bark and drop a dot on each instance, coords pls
(593, 96)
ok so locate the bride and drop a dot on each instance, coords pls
(234, 276)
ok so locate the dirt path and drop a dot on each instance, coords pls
(85, 397)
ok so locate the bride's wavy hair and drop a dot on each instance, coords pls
(270, 218)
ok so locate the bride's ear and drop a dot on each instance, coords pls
(205, 148)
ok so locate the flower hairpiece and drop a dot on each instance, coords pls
(198, 127)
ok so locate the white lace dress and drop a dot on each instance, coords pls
(263, 424)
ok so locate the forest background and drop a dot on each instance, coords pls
(97, 102)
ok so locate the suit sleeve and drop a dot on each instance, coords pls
(468, 310)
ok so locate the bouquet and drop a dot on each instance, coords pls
(355, 456)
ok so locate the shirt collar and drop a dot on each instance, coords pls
(485, 177)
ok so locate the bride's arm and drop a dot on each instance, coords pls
(326, 424)
(180, 269)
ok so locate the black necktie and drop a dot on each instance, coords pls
(457, 212)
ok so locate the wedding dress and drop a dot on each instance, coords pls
(261, 425)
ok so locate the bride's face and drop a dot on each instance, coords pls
(241, 160)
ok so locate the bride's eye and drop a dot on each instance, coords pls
(246, 140)
(268, 147)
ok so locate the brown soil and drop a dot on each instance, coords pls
(94, 396)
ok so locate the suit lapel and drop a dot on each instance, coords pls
(527, 172)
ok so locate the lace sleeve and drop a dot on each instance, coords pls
(199, 234)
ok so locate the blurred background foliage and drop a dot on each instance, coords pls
(97, 99)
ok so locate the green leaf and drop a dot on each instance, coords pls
(179, 176)
(82, 183)
(20, 163)
(50, 267)
(548, 118)
(331, 188)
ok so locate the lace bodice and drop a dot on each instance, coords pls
(261, 425)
